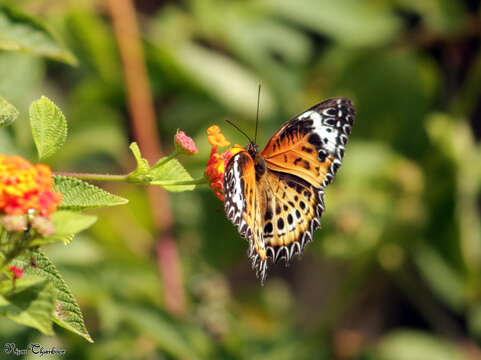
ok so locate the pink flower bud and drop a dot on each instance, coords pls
(43, 226)
(14, 222)
(185, 143)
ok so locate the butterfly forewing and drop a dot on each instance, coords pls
(243, 206)
(240, 193)
(311, 145)
(277, 210)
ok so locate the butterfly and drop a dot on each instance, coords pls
(276, 197)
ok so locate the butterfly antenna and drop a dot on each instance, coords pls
(257, 113)
(242, 132)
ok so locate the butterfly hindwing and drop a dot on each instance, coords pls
(277, 213)
(291, 214)
(240, 193)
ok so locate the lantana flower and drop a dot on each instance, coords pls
(26, 196)
(24, 186)
(216, 138)
(218, 161)
(184, 143)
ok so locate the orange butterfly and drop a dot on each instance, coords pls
(276, 197)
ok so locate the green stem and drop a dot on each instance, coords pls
(125, 178)
(166, 159)
(198, 181)
(94, 177)
(3, 235)
(17, 239)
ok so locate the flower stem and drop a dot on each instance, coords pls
(125, 178)
(3, 235)
(166, 159)
(94, 177)
(17, 241)
(198, 181)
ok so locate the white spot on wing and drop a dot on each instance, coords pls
(313, 115)
(331, 136)
(237, 196)
(322, 130)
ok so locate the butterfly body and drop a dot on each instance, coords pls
(276, 197)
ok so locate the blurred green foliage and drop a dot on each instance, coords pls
(394, 273)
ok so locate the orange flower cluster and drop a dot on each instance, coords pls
(216, 138)
(217, 161)
(24, 186)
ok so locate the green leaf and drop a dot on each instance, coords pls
(69, 222)
(349, 22)
(21, 86)
(141, 173)
(21, 32)
(66, 224)
(67, 313)
(170, 172)
(96, 41)
(142, 164)
(416, 345)
(8, 113)
(225, 79)
(31, 302)
(79, 195)
(49, 127)
(167, 172)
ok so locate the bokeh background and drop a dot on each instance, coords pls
(394, 273)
